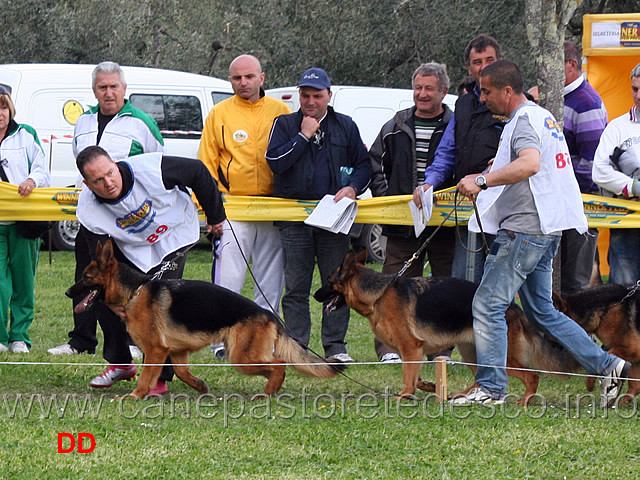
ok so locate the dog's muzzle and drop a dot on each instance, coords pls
(89, 296)
(331, 299)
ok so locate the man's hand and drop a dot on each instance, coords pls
(348, 192)
(118, 310)
(467, 186)
(26, 187)
(417, 192)
(216, 229)
(309, 126)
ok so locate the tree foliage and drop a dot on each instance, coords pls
(358, 42)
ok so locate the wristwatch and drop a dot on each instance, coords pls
(481, 181)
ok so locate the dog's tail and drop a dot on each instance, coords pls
(543, 352)
(292, 352)
(552, 357)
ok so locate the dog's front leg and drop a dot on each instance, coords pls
(411, 358)
(150, 373)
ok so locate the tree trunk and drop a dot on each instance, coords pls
(546, 38)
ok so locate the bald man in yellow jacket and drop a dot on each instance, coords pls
(234, 141)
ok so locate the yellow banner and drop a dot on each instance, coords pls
(60, 204)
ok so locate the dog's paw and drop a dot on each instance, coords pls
(406, 396)
(201, 387)
(128, 396)
(259, 396)
(426, 386)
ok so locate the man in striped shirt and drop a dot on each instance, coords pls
(403, 150)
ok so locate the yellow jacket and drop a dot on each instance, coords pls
(234, 141)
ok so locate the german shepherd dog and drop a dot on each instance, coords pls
(421, 316)
(177, 317)
(608, 313)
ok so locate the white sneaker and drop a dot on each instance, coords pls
(3, 348)
(136, 353)
(18, 347)
(391, 358)
(218, 351)
(611, 385)
(342, 357)
(479, 396)
(112, 375)
(64, 349)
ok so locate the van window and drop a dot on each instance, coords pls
(178, 116)
(220, 96)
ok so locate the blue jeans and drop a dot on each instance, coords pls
(520, 262)
(624, 255)
(302, 245)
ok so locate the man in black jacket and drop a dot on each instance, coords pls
(403, 150)
(313, 152)
(468, 144)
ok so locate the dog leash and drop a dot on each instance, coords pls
(171, 264)
(284, 325)
(485, 245)
(632, 291)
(456, 203)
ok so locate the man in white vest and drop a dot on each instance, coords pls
(529, 196)
(144, 206)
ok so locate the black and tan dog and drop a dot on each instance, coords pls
(421, 316)
(608, 313)
(177, 317)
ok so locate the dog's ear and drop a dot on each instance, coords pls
(108, 248)
(361, 256)
(559, 302)
(104, 254)
(348, 258)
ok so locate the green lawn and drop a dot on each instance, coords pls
(314, 429)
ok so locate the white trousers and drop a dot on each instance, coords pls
(260, 243)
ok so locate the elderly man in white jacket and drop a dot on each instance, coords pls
(616, 170)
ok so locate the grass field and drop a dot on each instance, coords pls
(314, 429)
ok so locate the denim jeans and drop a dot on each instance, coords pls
(520, 262)
(303, 245)
(624, 255)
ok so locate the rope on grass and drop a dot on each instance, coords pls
(352, 364)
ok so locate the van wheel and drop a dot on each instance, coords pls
(376, 243)
(63, 234)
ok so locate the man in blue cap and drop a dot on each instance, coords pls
(315, 152)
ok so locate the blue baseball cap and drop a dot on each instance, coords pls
(315, 78)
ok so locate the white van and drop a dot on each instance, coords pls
(370, 107)
(50, 98)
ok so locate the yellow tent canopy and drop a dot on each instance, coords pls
(610, 49)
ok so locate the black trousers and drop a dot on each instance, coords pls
(440, 254)
(83, 336)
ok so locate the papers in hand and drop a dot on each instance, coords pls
(336, 217)
(421, 216)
